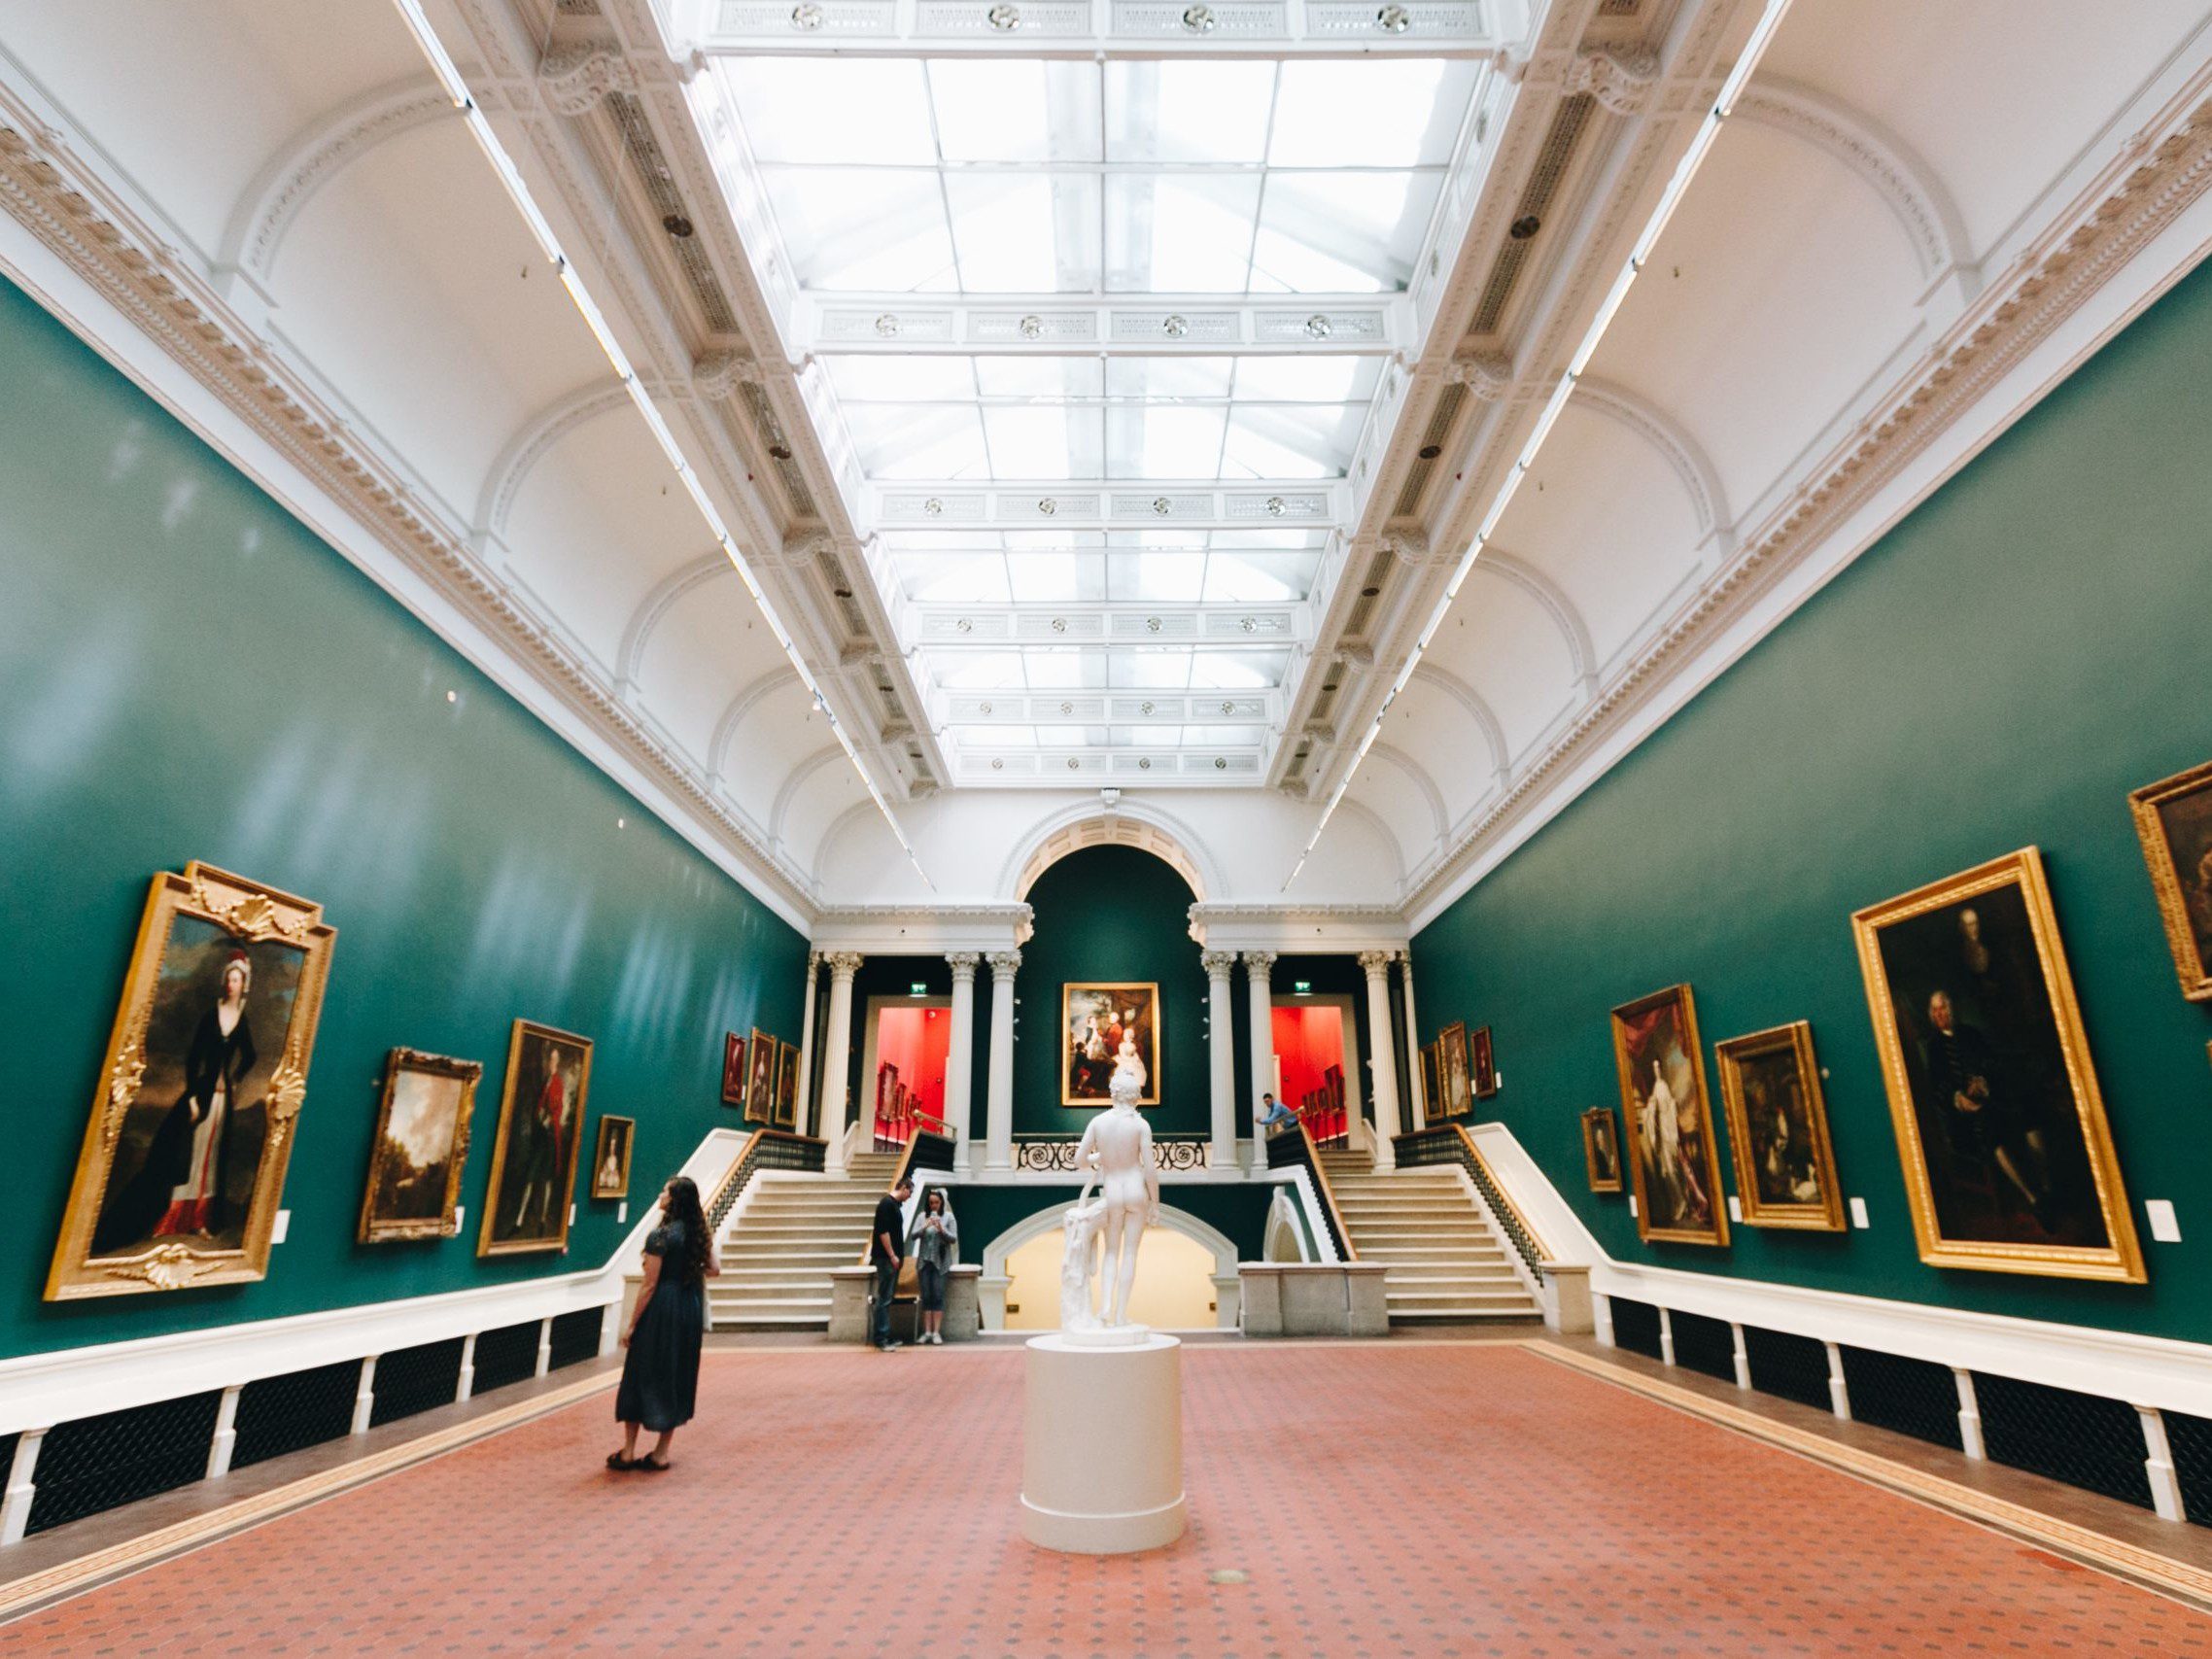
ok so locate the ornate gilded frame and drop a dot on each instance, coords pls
(485, 1244)
(760, 1077)
(250, 912)
(1431, 1077)
(786, 1086)
(1591, 1118)
(1717, 1234)
(2146, 803)
(606, 1123)
(2123, 1258)
(1451, 1060)
(1481, 1064)
(1150, 990)
(1796, 1040)
(734, 1060)
(445, 1224)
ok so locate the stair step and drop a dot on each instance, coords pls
(1492, 1298)
(1468, 1316)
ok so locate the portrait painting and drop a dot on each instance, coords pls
(421, 1147)
(1673, 1162)
(733, 1069)
(1431, 1079)
(1601, 1149)
(760, 1077)
(2009, 1162)
(1481, 1065)
(541, 1135)
(787, 1087)
(1459, 1092)
(1102, 1027)
(1778, 1130)
(610, 1157)
(2174, 820)
(182, 1166)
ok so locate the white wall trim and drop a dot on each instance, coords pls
(2117, 1364)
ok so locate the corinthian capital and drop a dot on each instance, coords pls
(843, 964)
(575, 77)
(1217, 963)
(1375, 963)
(1003, 963)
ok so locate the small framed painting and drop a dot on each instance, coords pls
(787, 1087)
(421, 1147)
(1429, 1081)
(2173, 819)
(733, 1069)
(1481, 1065)
(760, 1077)
(1672, 1161)
(1601, 1149)
(1778, 1130)
(610, 1158)
(1451, 1054)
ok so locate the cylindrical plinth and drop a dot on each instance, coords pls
(1102, 1446)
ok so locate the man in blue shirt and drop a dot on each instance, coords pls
(1273, 1113)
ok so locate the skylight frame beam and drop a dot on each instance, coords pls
(1102, 706)
(1133, 323)
(1168, 765)
(1104, 503)
(1196, 626)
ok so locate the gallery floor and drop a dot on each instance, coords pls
(1388, 1499)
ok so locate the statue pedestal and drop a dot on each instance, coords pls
(1102, 1445)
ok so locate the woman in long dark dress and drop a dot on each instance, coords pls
(660, 1368)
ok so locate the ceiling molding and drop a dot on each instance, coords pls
(1375, 821)
(1565, 614)
(70, 208)
(637, 631)
(2161, 172)
(1670, 440)
(792, 782)
(531, 443)
(1477, 709)
(1440, 818)
(1111, 821)
(733, 716)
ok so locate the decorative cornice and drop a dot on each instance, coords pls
(575, 77)
(2160, 173)
(720, 374)
(1003, 964)
(1261, 910)
(1619, 78)
(1487, 375)
(66, 207)
(878, 914)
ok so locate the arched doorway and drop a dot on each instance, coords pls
(1186, 1275)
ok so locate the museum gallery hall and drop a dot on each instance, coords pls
(1059, 828)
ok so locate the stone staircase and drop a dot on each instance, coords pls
(789, 1233)
(1448, 1264)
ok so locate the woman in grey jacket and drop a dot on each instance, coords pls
(935, 1244)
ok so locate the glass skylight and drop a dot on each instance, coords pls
(897, 185)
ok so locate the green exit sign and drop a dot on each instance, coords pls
(1302, 987)
(917, 988)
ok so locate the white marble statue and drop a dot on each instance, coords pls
(1116, 1153)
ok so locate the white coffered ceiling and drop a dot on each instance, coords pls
(1106, 396)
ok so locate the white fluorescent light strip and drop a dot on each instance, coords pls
(456, 89)
(1701, 145)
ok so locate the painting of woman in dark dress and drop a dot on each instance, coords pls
(2173, 819)
(183, 1160)
(2009, 1162)
(541, 1135)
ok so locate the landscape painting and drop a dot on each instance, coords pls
(421, 1148)
(2008, 1158)
(183, 1163)
(1672, 1162)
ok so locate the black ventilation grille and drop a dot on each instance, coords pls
(1636, 1327)
(301, 1408)
(1449, 402)
(1544, 184)
(2190, 1440)
(2079, 1438)
(507, 1354)
(659, 182)
(575, 1337)
(1378, 579)
(102, 1463)
(1913, 1396)
(1788, 1366)
(1705, 1345)
(416, 1379)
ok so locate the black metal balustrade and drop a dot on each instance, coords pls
(1051, 1153)
(1291, 1147)
(763, 1149)
(1449, 1143)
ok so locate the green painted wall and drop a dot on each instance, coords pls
(1106, 912)
(187, 673)
(2001, 669)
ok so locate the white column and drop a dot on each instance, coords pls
(1418, 1113)
(365, 1396)
(23, 1487)
(959, 1058)
(998, 1098)
(837, 1054)
(225, 1437)
(544, 1346)
(1221, 1051)
(803, 1096)
(1382, 1055)
(1258, 965)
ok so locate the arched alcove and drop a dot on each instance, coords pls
(1145, 828)
(1038, 1237)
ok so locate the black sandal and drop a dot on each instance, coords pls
(621, 1464)
(651, 1466)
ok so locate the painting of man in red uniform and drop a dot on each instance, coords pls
(533, 1160)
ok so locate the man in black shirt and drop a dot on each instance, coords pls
(887, 1248)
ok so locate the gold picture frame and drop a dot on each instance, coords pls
(182, 1095)
(2033, 1153)
(760, 1077)
(1667, 1127)
(1770, 1088)
(1431, 1099)
(1601, 1149)
(2180, 808)
(616, 1140)
(1482, 1064)
(786, 1086)
(1452, 1070)
(549, 1074)
(421, 1148)
(1085, 1073)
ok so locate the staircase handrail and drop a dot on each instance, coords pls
(805, 1152)
(1310, 1156)
(1450, 1143)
